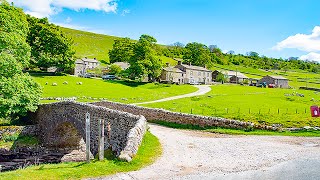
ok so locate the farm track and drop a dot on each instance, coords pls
(202, 89)
(201, 155)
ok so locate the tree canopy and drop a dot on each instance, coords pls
(18, 91)
(122, 50)
(49, 45)
(197, 54)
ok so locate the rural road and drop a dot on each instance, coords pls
(202, 89)
(200, 155)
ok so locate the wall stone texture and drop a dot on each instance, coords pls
(62, 125)
(182, 118)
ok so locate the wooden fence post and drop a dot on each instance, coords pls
(88, 137)
(101, 139)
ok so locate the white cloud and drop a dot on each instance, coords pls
(46, 8)
(311, 57)
(303, 42)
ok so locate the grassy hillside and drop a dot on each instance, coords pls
(93, 45)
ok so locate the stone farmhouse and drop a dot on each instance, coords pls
(82, 65)
(279, 81)
(186, 74)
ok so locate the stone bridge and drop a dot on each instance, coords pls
(62, 126)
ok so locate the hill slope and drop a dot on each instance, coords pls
(94, 45)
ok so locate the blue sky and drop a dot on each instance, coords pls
(276, 28)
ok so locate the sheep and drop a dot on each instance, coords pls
(79, 83)
(47, 83)
(66, 82)
(54, 84)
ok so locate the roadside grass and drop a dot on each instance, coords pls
(118, 91)
(259, 105)
(14, 140)
(304, 133)
(149, 150)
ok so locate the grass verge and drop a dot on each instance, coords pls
(149, 150)
(220, 130)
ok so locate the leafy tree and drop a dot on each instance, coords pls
(13, 33)
(144, 61)
(49, 45)
(221, 78)
(122, 50)
(18, 92)
(115, 69)
(197, 54)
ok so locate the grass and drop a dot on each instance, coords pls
(92, 45)
(245, 103)
(15, 141)
(306, 133)
(119, 91)
(149, 150)
(297, 78)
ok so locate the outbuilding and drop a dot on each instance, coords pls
(278, 81)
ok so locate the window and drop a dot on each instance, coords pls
(208, 75)
(191, 72)
(199, 73)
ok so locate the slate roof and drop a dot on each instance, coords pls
(199, 68)
(278, 77)
(172, 69)
(123, 65)
(81, 61)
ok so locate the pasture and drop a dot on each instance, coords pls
(245, 103)
(118, 91)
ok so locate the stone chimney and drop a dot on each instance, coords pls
(179, 63)
(167, 64)
(94, 58)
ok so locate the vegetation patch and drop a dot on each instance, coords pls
(250, 131)
(149, 150)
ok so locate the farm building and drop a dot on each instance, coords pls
(231, 75)
(195, 74)
(279, 81)
(186, 74)
(81, 65)
(172, 75)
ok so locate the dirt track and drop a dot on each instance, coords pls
(199, 155)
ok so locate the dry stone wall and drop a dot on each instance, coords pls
(182, 118)
(62, 124)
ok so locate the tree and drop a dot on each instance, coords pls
(144, 60)
(13, 33)
(115, 69)
(197, 54)
(122, 50)
(221, 78)
(49, 45)
(253, 54)
(18, 91)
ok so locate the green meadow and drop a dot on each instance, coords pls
(259, 105)
(118, 91)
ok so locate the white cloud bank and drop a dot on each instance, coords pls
(46, 8)
(303, 42)
(311, 56)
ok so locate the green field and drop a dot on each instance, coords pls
(119, 91)
(246, 103)
(149, 150)
(297, 78)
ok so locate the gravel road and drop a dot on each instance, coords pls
(200, 155)
(202, 89)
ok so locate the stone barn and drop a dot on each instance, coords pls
(279, 81)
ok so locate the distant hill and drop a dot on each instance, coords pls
(94, 45)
